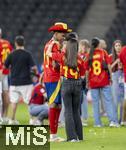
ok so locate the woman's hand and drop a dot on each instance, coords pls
(115, 62)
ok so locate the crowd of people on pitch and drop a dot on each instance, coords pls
(72, 68)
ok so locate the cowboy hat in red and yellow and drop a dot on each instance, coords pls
(60, 27)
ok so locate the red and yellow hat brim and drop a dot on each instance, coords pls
(61, 27)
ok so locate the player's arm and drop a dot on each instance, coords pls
(57, 56)
(107, 59)
(49, 49)
(34, 68)
(115, 63)
(82, 67)
(110, 72)
(7, 63)
(86, 66)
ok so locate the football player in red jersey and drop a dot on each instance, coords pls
(52, 77)
(99, 81)
(72, 69)
(5, 49)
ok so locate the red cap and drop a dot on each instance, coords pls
(59, 26)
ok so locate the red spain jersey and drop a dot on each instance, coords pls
(116, 67)
(51, 67)
(98, 76)
(122, 57)
(5, 49)
(84, 55)
(66, 71)
(37, 95)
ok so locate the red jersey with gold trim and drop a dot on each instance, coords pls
(66, 71)
(51, 67)
(5, 49)
(117, 66)
(98, 76)
(84, 55)
(122, 57)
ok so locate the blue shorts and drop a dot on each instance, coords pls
(50, 88)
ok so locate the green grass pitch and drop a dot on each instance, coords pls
(104, 138)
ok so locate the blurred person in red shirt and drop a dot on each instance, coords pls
(5, 49)
(99, 81)
(122, 57)
(38, 106)
(84, 48)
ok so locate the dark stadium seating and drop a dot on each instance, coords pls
(32, 18)
(118, 27)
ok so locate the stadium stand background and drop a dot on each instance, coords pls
(32, 18)
(117, 29)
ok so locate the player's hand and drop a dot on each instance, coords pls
(54, 42)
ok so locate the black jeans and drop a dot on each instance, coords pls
(71, 93)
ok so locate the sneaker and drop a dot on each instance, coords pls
(31, 122)
(57, 139)
(74, 140)
(98, 126)
(1, 121)
(13, 122)
(5, 121)
(123, 123)
(113, 124)
(37, 122)
(84, 124)
(61, 125)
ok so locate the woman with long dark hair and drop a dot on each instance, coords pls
(117, 79)
(99, 81)
(72, 69)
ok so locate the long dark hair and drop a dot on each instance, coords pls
(94, 43)
(114, 54)
(71, 50)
